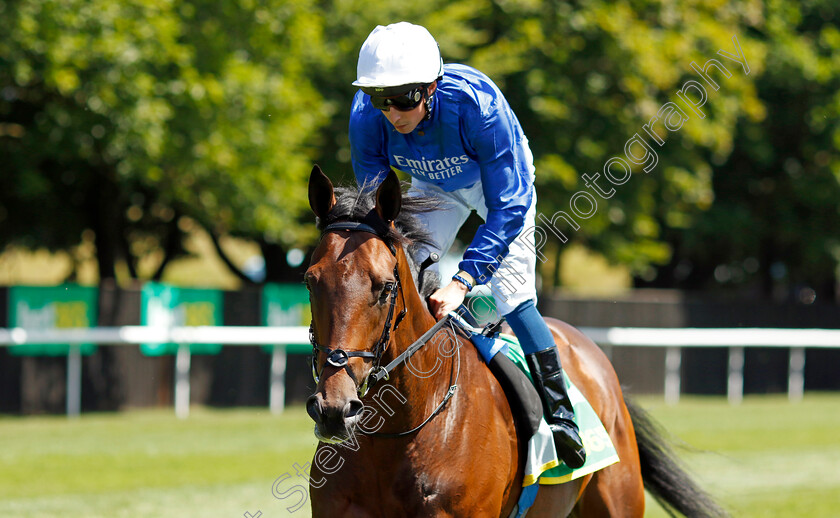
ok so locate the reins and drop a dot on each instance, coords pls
(414, 347)
(339, 358)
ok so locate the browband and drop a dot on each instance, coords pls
(362, 227)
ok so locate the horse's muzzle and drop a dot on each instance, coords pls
(334, 422)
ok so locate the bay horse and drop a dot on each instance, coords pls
(438, 437)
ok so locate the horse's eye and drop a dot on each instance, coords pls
(307, 281)
(386, 290)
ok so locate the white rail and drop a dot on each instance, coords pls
(278, 337)
(132, 335)
(736, 339)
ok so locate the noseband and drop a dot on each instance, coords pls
(338, 357)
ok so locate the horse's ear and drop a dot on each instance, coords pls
(321, 194)
(389, 197)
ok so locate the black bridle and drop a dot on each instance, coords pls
(339, 358)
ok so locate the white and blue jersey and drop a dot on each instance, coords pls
(473, 141)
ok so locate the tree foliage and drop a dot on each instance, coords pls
(122, 117)
(128, 115)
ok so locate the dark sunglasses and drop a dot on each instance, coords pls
(403, 102)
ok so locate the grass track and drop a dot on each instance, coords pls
(149, 464)
(765, 458)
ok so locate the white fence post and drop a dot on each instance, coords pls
(673, 363)
(735, 382)
(74, 380)
(182, 381)
(277, 392)
(796, 374)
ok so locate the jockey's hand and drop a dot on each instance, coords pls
(447, 299)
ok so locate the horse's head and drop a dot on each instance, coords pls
(354, 285)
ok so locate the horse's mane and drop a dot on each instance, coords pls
(357, 204)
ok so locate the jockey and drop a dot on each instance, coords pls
(451, 129)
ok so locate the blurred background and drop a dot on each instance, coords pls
(156, 146)
(170, 142)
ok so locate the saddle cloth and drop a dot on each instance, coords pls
(542, 464)
(542, 467)
(600, 451)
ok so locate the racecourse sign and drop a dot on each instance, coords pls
(54, 307)
(163, 305)
(286, 305)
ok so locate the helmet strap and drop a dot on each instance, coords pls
(427, 100)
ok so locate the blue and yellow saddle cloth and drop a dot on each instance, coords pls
(542, 463)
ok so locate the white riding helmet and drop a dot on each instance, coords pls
(397, 55)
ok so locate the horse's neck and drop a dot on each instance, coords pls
(417, 316)
(423, 378)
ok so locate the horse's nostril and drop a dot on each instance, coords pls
(313, 408)
(353, 408)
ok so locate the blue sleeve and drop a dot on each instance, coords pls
(494, 133)
(367, 143)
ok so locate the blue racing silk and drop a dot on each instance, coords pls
(472, 136)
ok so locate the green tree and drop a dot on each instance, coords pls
(122, 117)
(585, 78)
(772, 227)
